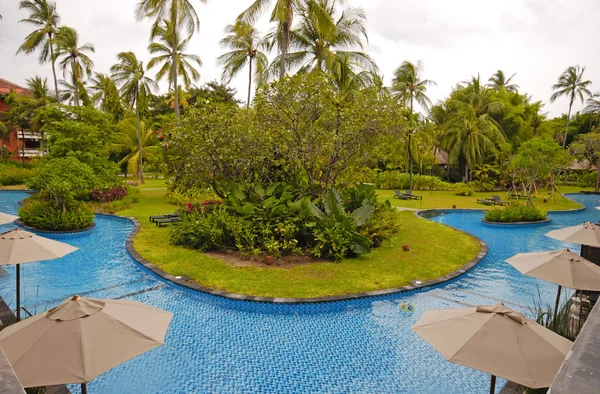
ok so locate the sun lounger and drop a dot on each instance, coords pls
(485, 201)
(167, 216)
(498, 201)
(161, 222)
(398, 194)
(412, 196)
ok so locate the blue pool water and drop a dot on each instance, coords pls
(218, 345)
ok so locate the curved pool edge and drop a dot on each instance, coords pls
(186, 282)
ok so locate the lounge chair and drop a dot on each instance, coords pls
(160, 222)
(516, 195)
(398, 194)
(412, 196)
(167, 216)
(485, 201)
(498, 201)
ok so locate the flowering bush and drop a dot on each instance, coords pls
(109, 194)
(204, 206)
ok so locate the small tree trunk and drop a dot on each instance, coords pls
(568, 121)
(22, 147)
(249, 83)
(76, 83)
(140, 162)
(174, 71)
(410, 162)
(53, 68)
(466, 173)
(598, 176)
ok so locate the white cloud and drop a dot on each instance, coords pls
(537, 39)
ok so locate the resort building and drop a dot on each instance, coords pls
(19, 142)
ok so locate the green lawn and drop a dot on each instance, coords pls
(385, 267)
(446, 199)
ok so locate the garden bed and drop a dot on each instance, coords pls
(510, 224)
(22, 224)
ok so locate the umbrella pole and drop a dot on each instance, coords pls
(18, 292)
(83, 388)
(493, 385)
(556, 305)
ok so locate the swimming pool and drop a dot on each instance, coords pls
(219, 345)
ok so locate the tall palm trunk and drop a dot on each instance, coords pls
(287, 26)
(174, 74)
(410, 159)
(53, 68)
(140, 173)
(76, 84)
(598, 176)
(249, 82)
(568, 121)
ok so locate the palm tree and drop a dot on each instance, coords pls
(39, 87)
(69, 90)
(246, 45)
(593, 107)
(169, 51)
(135, 88)
(498, 80)
(74, 57)
(178, 13)
(323, 36)
(135, 144)
(43, 15)
(106, 95)
(183, 99)
(470, 136)
(283, 14)
(409, 86)
(572, 85)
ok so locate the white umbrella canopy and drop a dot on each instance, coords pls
(583, 234)
(6, 218)
(19, 246)
(82, 338)
(497, 340)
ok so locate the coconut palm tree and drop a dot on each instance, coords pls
(127, 140)
(470, 136)
(169, 49)
(283, 15)
(571, 85)
(43, 15)
(410, 87)
(106, 95)
(183, 99)
(498, 80)
(73, 57)
(135, 88)
(323, 35)
(593, 107)
(39, 87)
(69, 90)
(179, 13)
(247, 45)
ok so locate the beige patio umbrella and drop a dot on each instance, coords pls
(562, 267)
(6, 218)
(80, 339)
(497, 340)
(18, 247)
(583, 234)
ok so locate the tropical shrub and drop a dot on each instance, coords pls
(13, 175)
(382, 225)
(515, 213)
(109, 194)
(79, 176)
(44, 215)
(463, 189)
(401, 180)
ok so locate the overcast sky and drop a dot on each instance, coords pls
(537, 39)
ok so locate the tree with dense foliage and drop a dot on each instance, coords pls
(409, 86)
(135, 88)
(283, 14)
(43, 15)
(106, 96)
(74, 58)
(586, 147)
(571, 85)
(247, 47)
(323, 36)
(537, 159)
(173, 15)
(499, 81)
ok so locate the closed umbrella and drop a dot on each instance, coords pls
(497, 340)
(19, 246)
(6, 218)
(80, 339)
(562, 267)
